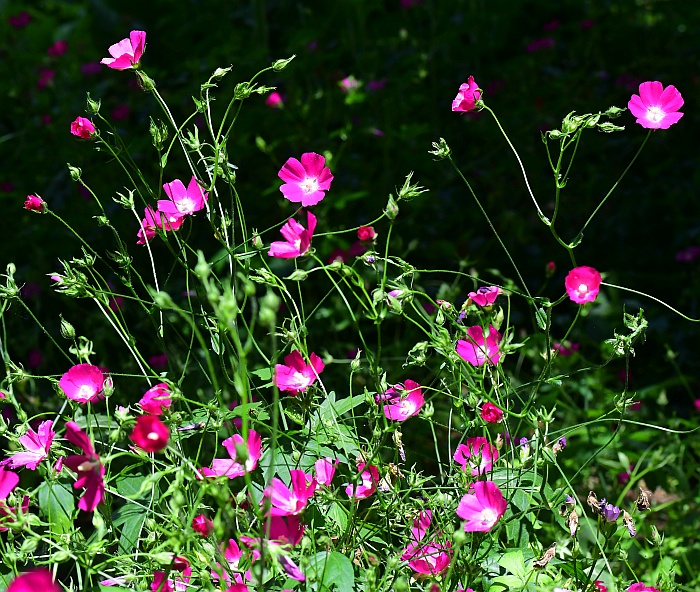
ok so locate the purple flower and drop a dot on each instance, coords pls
(608, 511)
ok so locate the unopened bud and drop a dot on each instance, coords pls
(67, 330)
(146, 83)
(93, 107)
(280, 65)
(257, 241)
(392, 208)
(75, 172)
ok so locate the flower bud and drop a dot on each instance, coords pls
(67, 330)
(279, 65)
(441, 149)
(93, 107)
(257, 241)
(392, 208)
(75, 172)
(146, 83)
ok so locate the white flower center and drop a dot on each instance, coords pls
(488, 517)
(655, 114)
(85, 391)
(309, 185)
(152, 436)
(185, 205)
(407, 407)
(299, 381)
(583, 288)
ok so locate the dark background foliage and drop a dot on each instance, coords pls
(536, 61)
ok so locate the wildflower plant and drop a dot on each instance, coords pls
(339, 471)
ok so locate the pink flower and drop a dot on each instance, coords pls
(177, 582)
(324, 470)
(638, 587)
(688, 255)
(295, 375)
(430, 558)
(369, 475)
(366, 234)
(656, 107)
(8, 481)
(34, 203)
(566, 349)
(37, 446)
(156, 399)
(467, 97)
(479, 349)
(305, 182)
(477, 453)
(582, 284)
(19, 20)
(540, 44)
(274, 100)
(349, 84)
(152, 221)
(600, 586)
(483, 508)
(232, 467)
(298, 239)
(82, 128)
(485, 296)
(120, 112)
(490, 413)
(150, 433)
(288, 502)
(402, 400)
(46, 76)
(202, 525)
(36, 580)
(697, 404)
(280, 530)
(88, 468)
(83, 383)
(127, 53)
(233, 555)
(57, 49)
(182, 202)
(158, 361)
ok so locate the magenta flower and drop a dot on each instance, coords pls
(305, 182)
(479, 349)
(202, 525)
(274, 100)
(467, 97)
(582, 284)
(368, 485)
(179, 580)
(83, 383)
(156, 399)
(34, 203)
(150, 433)
(483, 508)
(485, 296)
(8, 481)
(182, 202)
(232, 467)
(82, 128)
(152, 221)
(638, 587)
(295, 375)
(19, 20)
(233, 555)
(402, 400)
(36, 580)
(428, 558)
(37, 446)
(127, 53)
(298, 239)
(324, 470)
(689, 254)
(477, 453)
(490, 413)
(57, 49)
(656, 107)
(566, 349)
(289, 502)
(88, 467)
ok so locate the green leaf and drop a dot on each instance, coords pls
(514, 563)
(57, 503)
(332, 569)
(541, 317)
(131, 518)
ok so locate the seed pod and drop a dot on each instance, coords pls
(643, 502)
(629, 523)
(572, 522)
(547, 557)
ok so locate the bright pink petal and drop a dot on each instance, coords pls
(671, 99)
(669, 120)
(650, 92)
(292, 171)
(8, 481)
(314, 164)
(138, 44)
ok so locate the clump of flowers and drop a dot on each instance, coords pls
(369, 479)
(182, 201)
(656, 107)
(154, 220)
(426, 557)
(583, 284)
(231, 467)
